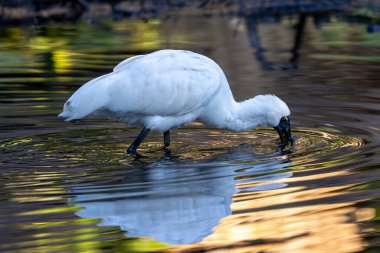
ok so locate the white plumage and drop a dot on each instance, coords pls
(169, 88)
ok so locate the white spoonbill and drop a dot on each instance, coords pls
(169, 88)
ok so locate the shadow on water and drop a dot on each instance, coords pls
(72, 188)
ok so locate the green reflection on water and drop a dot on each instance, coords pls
(339, 57)
(52, 210)
(71, 54)
(89, 240)
(342, 35)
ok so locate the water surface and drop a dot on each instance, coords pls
(72, 188)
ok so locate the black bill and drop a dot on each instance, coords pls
(284, 131)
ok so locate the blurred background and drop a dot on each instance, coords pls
(72, 188)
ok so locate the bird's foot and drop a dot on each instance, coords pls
(168, 155)
(168, 152)
(166, 139)
(131, 151)
(134, 153)
(284, 149)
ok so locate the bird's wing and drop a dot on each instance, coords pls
(164, 83)
(126, 62)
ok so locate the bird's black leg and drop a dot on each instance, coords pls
(166, 139)
(136, 143)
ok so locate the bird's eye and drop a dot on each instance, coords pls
(284, 120)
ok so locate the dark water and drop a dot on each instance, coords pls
(72, 188)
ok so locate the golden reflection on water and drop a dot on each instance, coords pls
(306, 218)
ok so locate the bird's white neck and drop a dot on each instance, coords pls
(247, 115)
(239, 116)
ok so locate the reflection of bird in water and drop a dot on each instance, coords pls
(169, 88)
(173, 202)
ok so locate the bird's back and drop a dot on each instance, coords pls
(163, 83)
(167, 82)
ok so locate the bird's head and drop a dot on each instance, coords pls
(277, 115)
(284, 131)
